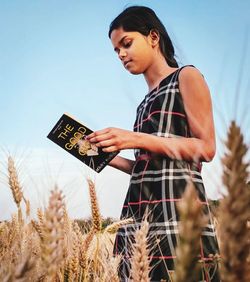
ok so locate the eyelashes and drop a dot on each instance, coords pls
(125, 45)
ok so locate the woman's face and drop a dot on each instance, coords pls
(134, 50)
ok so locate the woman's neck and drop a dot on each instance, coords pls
(157, 72)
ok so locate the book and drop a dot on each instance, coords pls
(70, 135)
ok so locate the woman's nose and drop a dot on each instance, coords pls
(122, 54)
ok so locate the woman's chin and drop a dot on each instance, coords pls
(134, 71)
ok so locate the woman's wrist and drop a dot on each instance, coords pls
(141, 140)
(137, 140)
(152, 143)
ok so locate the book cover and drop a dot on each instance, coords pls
(70, 135)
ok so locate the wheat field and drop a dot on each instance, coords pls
(54, 247)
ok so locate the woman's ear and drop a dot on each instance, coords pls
(154, 37)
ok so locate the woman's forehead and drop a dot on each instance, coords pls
(117, 35)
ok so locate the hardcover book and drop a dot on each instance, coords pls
(71, 136)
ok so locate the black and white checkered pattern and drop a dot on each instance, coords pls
(157, 184)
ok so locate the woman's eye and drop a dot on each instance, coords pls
(128, 44)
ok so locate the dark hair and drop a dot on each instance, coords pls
(143, 19)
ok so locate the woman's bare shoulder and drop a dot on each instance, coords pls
(189, 73)
(192, 82)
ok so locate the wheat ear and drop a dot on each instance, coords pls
(37, 227)
(112, 228)
(84, 250)
(52, 243)
(234, 210)
(40, 216)
(14, 182)
(96, 216)
(74, 258)
(190, 229)
(140, 262)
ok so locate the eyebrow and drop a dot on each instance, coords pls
(120, 41)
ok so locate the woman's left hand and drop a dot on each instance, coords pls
(112, 139)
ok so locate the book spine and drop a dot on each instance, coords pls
(105, 162)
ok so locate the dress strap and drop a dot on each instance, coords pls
(178, 71)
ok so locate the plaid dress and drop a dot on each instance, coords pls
(157, 183)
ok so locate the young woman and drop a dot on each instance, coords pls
(173, 133)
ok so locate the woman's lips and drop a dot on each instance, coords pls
(126, 63)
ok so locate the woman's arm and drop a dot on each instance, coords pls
(122, 164)
(198, 106)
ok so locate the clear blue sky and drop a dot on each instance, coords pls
(55, 57)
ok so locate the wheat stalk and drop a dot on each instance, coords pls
(78, 232)
(37, 227)
(140, 262)
(96, 216)
(84, 249)
(112, 228)
(14, 182)
(234, 210)
(74, 258)
(67, 230)
(109, 262)
(52, 242)
(67, 221)
(190, 229)
(40, 216)
(15, 230)
(111, 269)
(27, 205)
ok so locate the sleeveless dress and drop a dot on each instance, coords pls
(157, 183)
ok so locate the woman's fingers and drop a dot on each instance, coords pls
(98, 135)
(110, 149)
(116, 138)
(105, 143)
